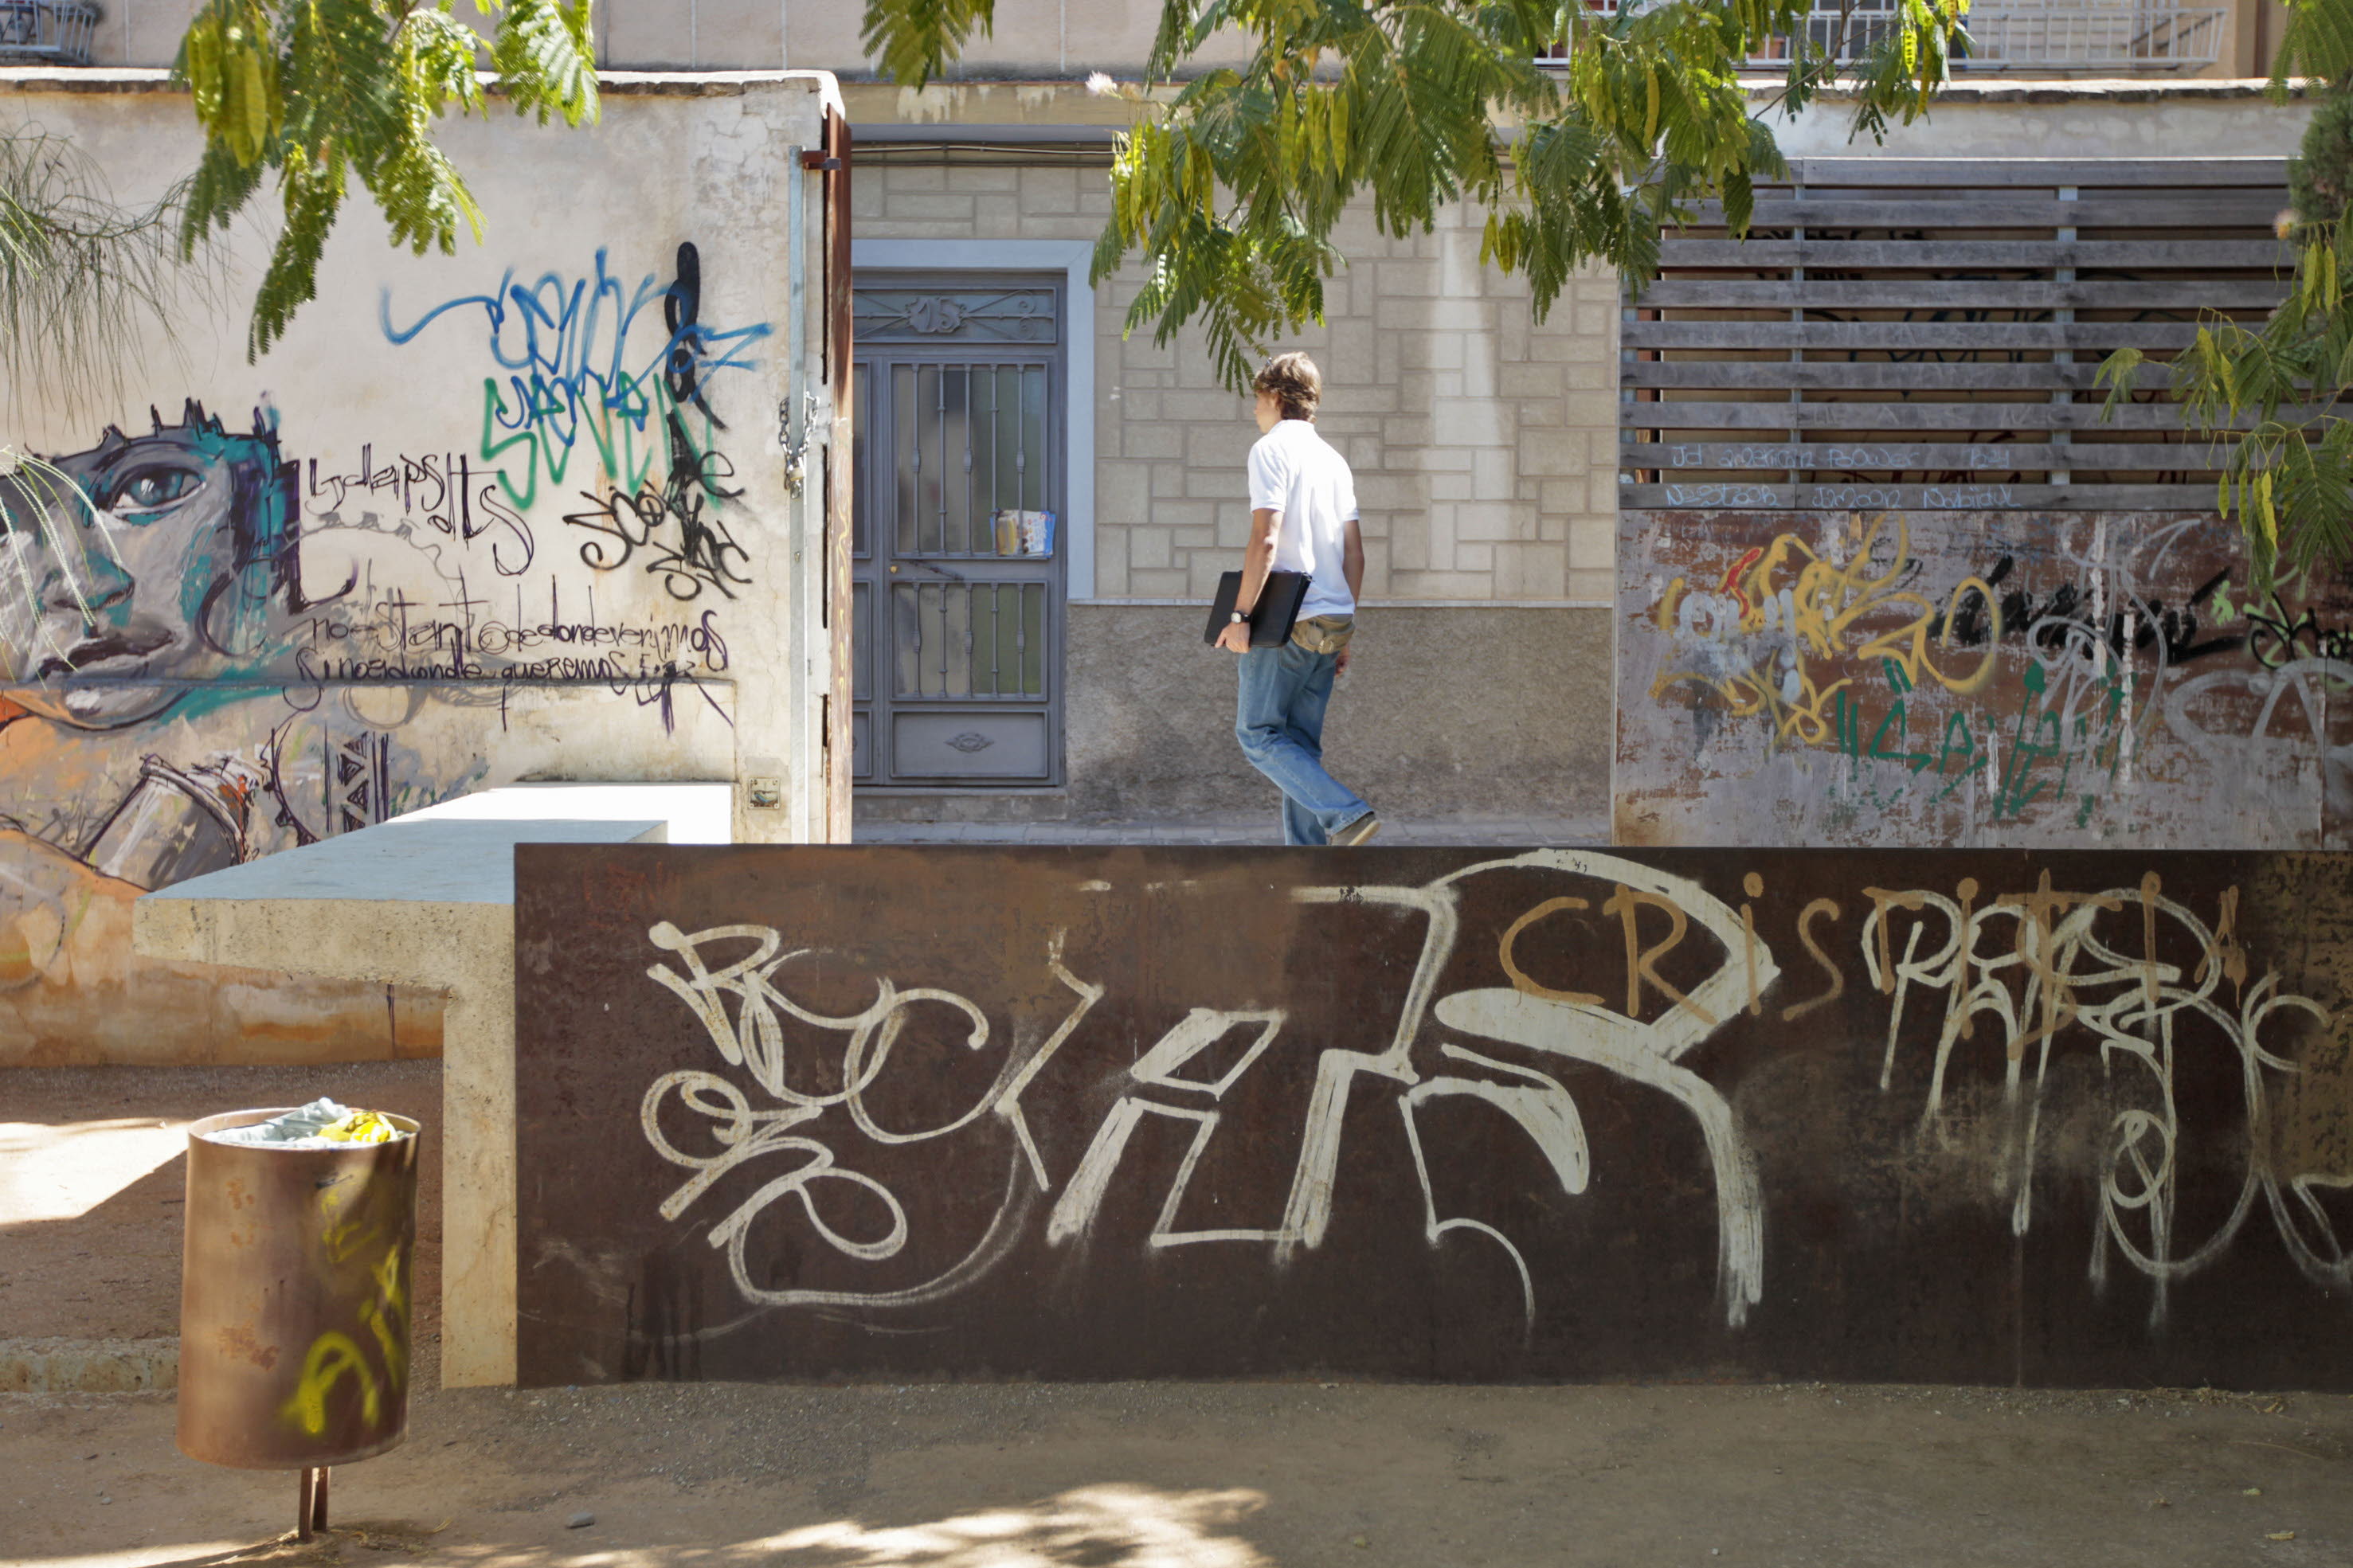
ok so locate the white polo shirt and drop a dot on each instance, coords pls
(1297, 474)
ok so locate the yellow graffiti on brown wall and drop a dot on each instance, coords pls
(1821, 612)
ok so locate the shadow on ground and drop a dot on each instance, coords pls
(1223, 1476)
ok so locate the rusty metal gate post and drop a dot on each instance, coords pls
(295, 1300)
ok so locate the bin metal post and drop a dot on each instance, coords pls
(295, 1301)
(311, 1503)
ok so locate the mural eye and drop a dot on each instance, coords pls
(153, 486)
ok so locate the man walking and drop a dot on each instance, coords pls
(1302, 519)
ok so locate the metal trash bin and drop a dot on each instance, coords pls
(295, 1303)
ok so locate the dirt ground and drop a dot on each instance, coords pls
(1225, 1475)
(1115, 1476)
(113, 1139)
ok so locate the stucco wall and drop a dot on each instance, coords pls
(473, 521)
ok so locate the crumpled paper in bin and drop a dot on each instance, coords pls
(321, 1124)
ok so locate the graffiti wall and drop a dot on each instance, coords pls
(2055, 1117)
(1973, 678)
(519, 513)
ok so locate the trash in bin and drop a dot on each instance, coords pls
(321, 1124)
(295, 1296)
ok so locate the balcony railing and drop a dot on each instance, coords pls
(2070, 35)
(46, 32)
(2050, 34)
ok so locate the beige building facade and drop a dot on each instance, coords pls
(1069, 682)
(1484, 443)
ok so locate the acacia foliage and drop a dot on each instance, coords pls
(2271, 396)
(316, 92)
(85, 280)
(1233, 179)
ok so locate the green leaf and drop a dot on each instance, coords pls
(316, 92)
(915, 40)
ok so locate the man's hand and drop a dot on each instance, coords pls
(1340, 665)
(1235, 639)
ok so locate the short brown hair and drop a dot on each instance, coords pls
(1294, 383)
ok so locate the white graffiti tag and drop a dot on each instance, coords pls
(753, 1037)
(2021, 973)
(1529, 1016)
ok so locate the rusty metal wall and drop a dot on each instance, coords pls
(2058, 1117)
(1974, 679)
(295, 1299)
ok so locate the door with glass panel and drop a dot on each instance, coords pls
(956, 535)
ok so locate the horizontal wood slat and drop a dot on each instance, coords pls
(2006, 173)
(1976, 495)
(2002, 337)
(1852, 322)
(2236, 210)
(1965, 294)
(2108, 255)
(1877, 376)
(1871, 416)
(1780, 457)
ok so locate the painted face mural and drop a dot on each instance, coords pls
(226, 635)
(143, 565)
(138, 572)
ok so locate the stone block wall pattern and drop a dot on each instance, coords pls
(1485, 445)
(519, 513)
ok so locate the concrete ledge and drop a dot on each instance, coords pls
(617, 84)
(2024, 88)
(88, 1366)
(443, 861)
(428, 900)
(695, 812)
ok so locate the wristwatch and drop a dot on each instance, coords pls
(1238, 618)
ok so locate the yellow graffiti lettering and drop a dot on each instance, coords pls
(1641, 962)
(1511, 967)
(1796, 1010)
(332, 1357)
(1815, 612)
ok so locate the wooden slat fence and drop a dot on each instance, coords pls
(1900, 332)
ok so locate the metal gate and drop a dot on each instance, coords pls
(956, 615)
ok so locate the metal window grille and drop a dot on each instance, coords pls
(46, 32)
(958, 562)
(2145, 36)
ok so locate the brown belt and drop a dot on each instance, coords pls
(1324, 634)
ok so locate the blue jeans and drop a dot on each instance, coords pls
(1279, 719)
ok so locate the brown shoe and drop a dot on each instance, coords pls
(1360, 831)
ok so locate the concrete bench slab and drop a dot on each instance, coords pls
(428, 900)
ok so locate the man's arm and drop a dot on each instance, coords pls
(1352, 567)
(1258, 559)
